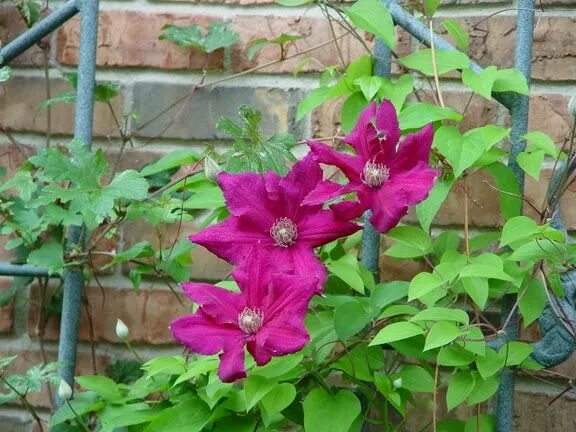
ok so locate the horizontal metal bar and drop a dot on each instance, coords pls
(37, 32)
(9, 269)
(419, 31)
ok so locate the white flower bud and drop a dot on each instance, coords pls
(211, 168)
(122, 330)
(397, 383)
(572, 106)
(64, 390)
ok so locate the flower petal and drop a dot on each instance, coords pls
(350, 165)
(415, 183)
(299, 259)
(297, 184)
(254, 277)
(349, 210)
(201, 334)
(322, 227)
(415, 148)
(232, 239)
(232, 363)
(387, 210)
(260, 354)
(282, 338)
(326, 191)
(290, 294)
(220, 304)
(387, 123)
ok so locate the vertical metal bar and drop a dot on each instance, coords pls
(519, 113)
(73, 277)
(370, 246)
(35, 34)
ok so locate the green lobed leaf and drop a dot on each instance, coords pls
(373, 16)
(279, 398)
(49, 256)
(387, 293)
(324, 412)
(489, 364)
(453, 355)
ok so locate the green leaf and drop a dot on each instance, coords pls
(373, 16)
(351, 109)
(102, 385)
(218, 35)
(324, 412)
(49, 256)
(82, 403)
(518, 228)
(279, 366)
(68, 97)
(173, 159)
(481, 423)
(170, 365)
(254, 46)
(482, 82)
(410, 242)
(396, 91)
(490, 364)
(446, 61)
(349, 319)
(509, 191)
(416, 115)
(484, 271)
(5, 361)
(279, 398)
(422, 284)
(190, 416)
(441, 333)
(478, 289)
(442, 314)
(396, 331)
(347, 269)
(369, 85)
(128, 184)
(540, 141)
(459, 388)
(483, 390)
(515, 353)
(5, 73)
(312, 101)
(385, 294)
(455, 29)
(430, 7)
(531, 163)
(416, 378)
(400, 309)
(511, 80)
(114, 417)
(141, 249)
(104, 92)
(533, 302)
(474, 341)
(198, 367)
(427, 209)
(255, 388)
(453, 355)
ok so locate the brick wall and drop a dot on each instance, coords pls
(154, 73)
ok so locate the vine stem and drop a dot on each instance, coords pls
(435, 66)
(78, 418)
(26, 404)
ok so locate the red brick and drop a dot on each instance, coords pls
(549, 114)
(7, 312)
(130, 39)
(147, 314)
(12, 24)
(20, 98)
(316, 30)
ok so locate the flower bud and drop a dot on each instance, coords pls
(64, 390)
(122, 330)
(211, 168)
(397, 383)
(572, 106)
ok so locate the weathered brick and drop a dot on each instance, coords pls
(549, 114)
(315, 30)
(532, 412)
(147, 314)
(7, 312)
(130, 39)
(197, 120)
(205, 265)
(14, 423)
(12, 24)
(20, 98)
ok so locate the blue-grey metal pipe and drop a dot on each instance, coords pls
(73, 276)
(422, 33)
(9, 269)
(40, 30)
(519, 116)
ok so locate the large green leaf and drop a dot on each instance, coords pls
(441, 333)
(459, 388)
(349, 319)
(416, 115)
(446, 61)
(324, 412)
(372, 16)
(396, 331)
(190, 416)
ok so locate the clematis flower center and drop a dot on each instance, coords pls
(374, 174)
(250, 320)
(284, 232)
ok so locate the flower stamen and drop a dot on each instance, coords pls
(284, 232)
(374, 174)
(250, 320)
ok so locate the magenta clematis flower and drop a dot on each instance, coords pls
(386, 176)
(267, 211)
(266, 317)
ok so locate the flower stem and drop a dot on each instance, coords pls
(78, 418)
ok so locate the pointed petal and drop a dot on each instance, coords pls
(322, 227)
(415, 148)
(415, 183)
(232, 363)
(246, 194)
(281, 338)
(387, 123)
(201, 334)
(232, 239)
(326, 191)
(260, 354)
(298, 183)
(363, 134)
(349, 210)
(220, 304)
(254, 276)
(350, 165)
(290, 294)
(299, 259)
(387, 210)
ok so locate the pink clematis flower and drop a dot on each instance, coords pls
(386, 176)
(266, 317)
(267, 211)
